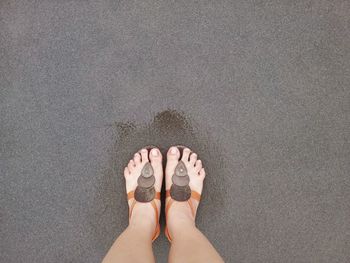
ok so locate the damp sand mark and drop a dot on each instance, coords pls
(167, 128)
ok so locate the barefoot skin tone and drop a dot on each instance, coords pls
(188, 243)
(135, 243)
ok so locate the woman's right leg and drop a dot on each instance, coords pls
(188, 243)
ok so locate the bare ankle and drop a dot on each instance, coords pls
(179, 222)
(180, 227)
(143, 229)
(141, 218)
(180, 217)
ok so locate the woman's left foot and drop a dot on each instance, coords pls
(143, 214)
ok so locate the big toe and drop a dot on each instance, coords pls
(155, 157)
(173, 154)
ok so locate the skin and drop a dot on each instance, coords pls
(188, 243)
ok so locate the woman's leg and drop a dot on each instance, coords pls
(135, 243)
(188, 243)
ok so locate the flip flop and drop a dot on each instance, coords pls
(180, 190)
(145, 192)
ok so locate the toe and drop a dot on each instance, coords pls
(126, 171)
(198, 165)
(193, 158)
(144, 155)
(201, 173)
(173, 157)
(131, 165)
(185, 154)
(156, 161)
(155, 156)
(173, 154)
(137, 158)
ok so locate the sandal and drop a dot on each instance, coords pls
(145, 192)
(180, 190)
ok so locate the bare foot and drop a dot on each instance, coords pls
(180, 212)
(143, 214)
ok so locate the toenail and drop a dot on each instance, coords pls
(154, 152)
(173, 150)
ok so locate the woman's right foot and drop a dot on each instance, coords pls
(180, 213)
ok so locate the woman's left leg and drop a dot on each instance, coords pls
(135, 243)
